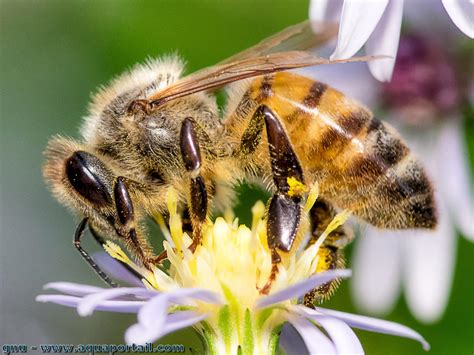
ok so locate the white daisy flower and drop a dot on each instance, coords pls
(424, 100)
(377, 23)
(216, 290)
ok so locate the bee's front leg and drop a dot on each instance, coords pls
(108, 204)
(126, 223)
(85, 255)
(284, 210)
(198, 204)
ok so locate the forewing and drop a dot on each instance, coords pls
(282, 51)
(300, 37)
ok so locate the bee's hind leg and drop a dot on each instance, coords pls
(284, 209)
(330, 252)
(198, 204)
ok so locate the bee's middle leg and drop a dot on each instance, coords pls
(198, 204)
(284, 210)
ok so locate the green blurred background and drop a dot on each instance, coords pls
(53, 55)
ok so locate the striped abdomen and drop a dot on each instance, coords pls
(359, 162)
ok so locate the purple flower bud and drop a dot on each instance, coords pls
(425, 86)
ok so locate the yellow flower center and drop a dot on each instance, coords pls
(233, 261)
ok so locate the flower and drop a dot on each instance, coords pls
(377, 24)
(424, 99)
(216, 290)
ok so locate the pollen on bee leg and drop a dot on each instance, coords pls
(313, 251)
(297, 188)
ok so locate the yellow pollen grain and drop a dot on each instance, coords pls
(297, 188)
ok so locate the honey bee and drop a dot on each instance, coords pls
(152, 128)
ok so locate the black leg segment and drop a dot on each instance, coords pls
(77, 243)
(284, 214)
(126, 222)
(198, 199)
(190, 146)
(191, 154)
(284, 161)
(123, 202)
(284, 210)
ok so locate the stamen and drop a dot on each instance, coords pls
(258, 211)
(117, 253)
(312, 197)
(176, 227)
(158, 218)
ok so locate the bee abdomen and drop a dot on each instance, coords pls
(399, 193)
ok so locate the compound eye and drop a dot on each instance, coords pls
(84, 172)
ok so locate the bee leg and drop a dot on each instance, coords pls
(91, 178)
(330, 252)
(126, 224)
(198, 195)
(85, 255)
(284, 211)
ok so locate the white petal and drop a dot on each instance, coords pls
(384, 41)
(140, 334)
(429, 265)
(325, 10)
(300, 288)
(89, 303)
(375, 325)
(155, 311)
(110, 306)
(343, 337)
(358, 21)
(376, 262)
(316, 342)
(291, 341)
(184, 294)
(153, 314)
(341, 334)
(74, 289)
(454, 176)
(462, 14)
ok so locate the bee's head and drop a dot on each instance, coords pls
(150, 137)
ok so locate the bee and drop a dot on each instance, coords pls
(152, 128)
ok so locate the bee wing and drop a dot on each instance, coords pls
(271, 55)
(302, 36)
